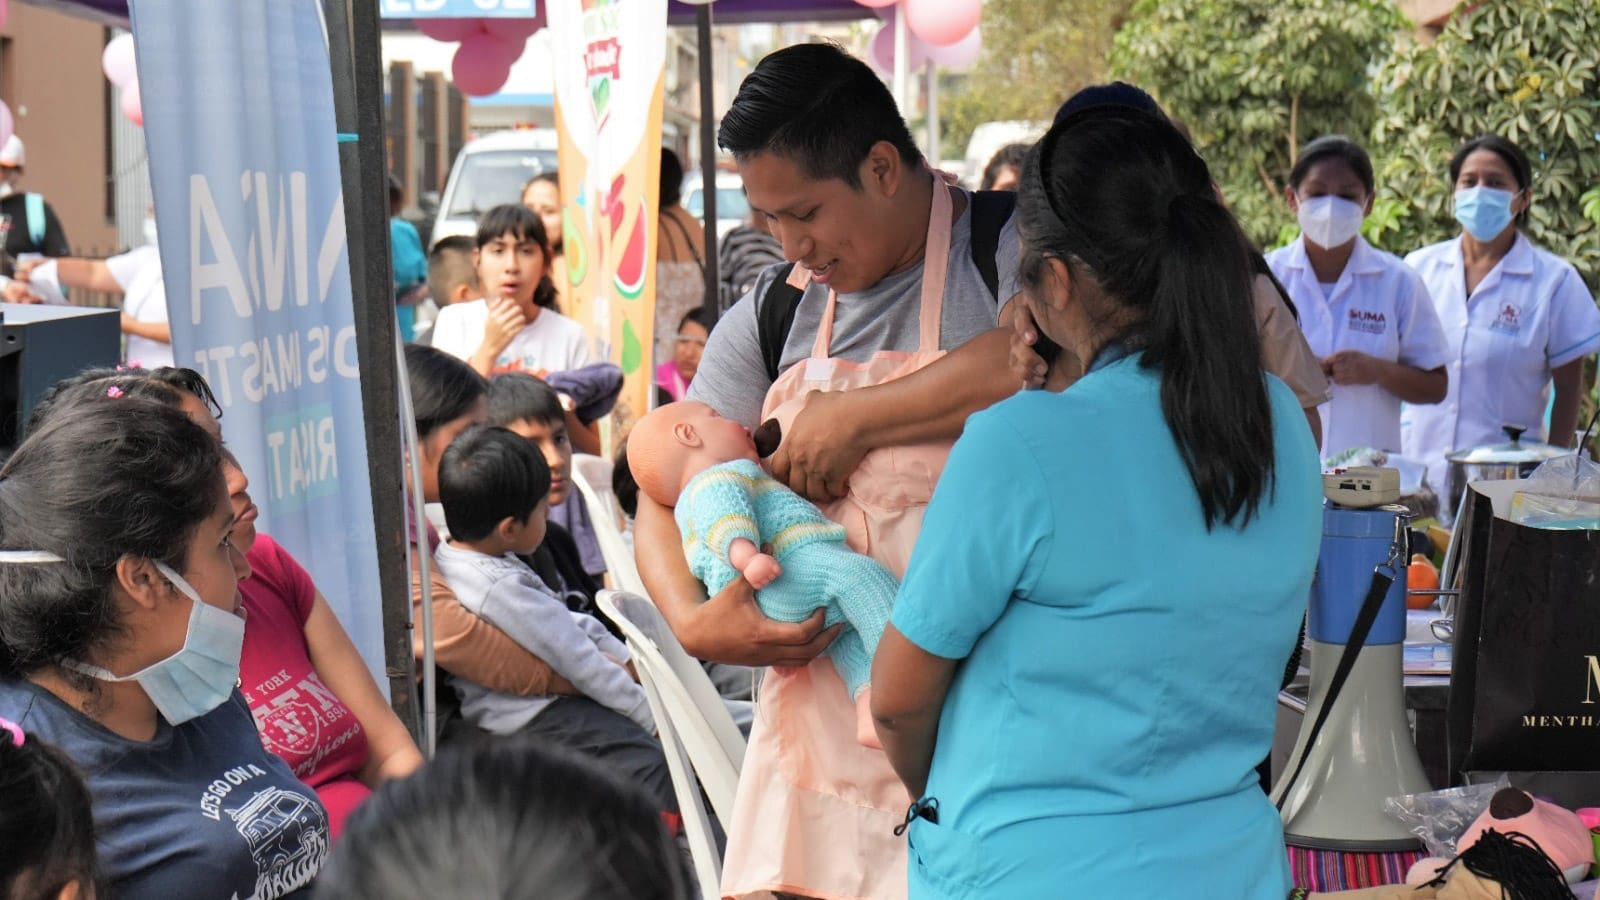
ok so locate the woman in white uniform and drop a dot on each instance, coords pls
(1365, 314)
(1516, 318)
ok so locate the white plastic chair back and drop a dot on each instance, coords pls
(696, 825)
(592, 476)
(689, 702)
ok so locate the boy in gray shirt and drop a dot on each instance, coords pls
(494, 486)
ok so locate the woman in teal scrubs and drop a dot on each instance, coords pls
(1081, 670)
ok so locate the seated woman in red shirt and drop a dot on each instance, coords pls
(314, 700)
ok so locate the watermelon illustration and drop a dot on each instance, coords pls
(629, 277)
(576, 252)
(632, 350)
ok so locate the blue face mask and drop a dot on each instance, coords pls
(1484, 211)
(205, 670)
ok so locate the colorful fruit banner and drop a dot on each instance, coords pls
(609, 79)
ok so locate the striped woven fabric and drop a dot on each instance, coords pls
(1330, 870)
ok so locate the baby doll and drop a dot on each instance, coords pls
(684, 455)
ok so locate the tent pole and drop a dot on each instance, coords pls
(355, 57)
(708, 157)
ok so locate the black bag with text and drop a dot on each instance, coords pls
(1525, 690)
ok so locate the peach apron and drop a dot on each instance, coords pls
(816, 811)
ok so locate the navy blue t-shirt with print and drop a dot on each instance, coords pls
(202, 810)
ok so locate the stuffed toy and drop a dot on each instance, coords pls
(1495, 866)
(1557, 832)
(683, 455)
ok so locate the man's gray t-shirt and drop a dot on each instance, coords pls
(732, 378)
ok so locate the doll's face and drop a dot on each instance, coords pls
(722, 438)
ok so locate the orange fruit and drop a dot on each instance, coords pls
(1421, 575)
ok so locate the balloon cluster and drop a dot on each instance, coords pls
(488, 48)
(944, 32)
(120, 67)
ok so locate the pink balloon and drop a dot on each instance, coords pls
(961, 54)
(881, 51)
(943, 22)
(117, 60)
(450, 30)
(6, 124)
(503, 52)
(130, 103)
(478, 74)
(5, 12)
(877, 4)
(515, 31)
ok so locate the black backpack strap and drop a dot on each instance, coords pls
(775, 317)
(990, 212)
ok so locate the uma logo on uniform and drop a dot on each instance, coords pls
(1508, 321)
(1368, 321)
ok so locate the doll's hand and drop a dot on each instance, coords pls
(820, 448)
(762, 570)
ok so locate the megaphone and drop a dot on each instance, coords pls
(1355, 748)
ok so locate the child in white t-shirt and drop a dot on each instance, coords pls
(515, 327)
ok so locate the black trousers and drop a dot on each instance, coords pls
(611, 739)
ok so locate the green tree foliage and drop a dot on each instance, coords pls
(1253, 81)
(1523, 69)
(1036, 54)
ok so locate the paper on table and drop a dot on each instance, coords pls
(45, 283)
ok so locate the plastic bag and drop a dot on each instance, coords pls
(1439, 818)
(1563, 494)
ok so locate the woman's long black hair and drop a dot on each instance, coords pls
(1118, 195)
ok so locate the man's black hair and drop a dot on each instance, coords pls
(820, 108)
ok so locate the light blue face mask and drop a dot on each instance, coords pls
(1484, 211)
(191, 682)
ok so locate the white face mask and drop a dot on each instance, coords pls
(6, 188)
(150, 230)
(205, 670)
(1330, 221)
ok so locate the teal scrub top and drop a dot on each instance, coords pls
(1120, 663)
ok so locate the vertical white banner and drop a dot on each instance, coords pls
(239, 120)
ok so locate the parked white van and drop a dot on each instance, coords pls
(490, 171)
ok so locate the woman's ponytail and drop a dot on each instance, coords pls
(1201, 335)
(1120, 192)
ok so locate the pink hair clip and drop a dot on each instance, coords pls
(113, 392)
(14, 729)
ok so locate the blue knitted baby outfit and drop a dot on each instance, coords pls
(738, 500)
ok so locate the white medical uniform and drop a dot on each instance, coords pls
(1379, 307)
(144, 298)
(1532, 313)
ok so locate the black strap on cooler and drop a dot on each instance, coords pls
(1383, 576)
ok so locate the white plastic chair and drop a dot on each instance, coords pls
(697, 732)
(592, 476)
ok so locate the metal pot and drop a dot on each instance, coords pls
(1497, 462)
